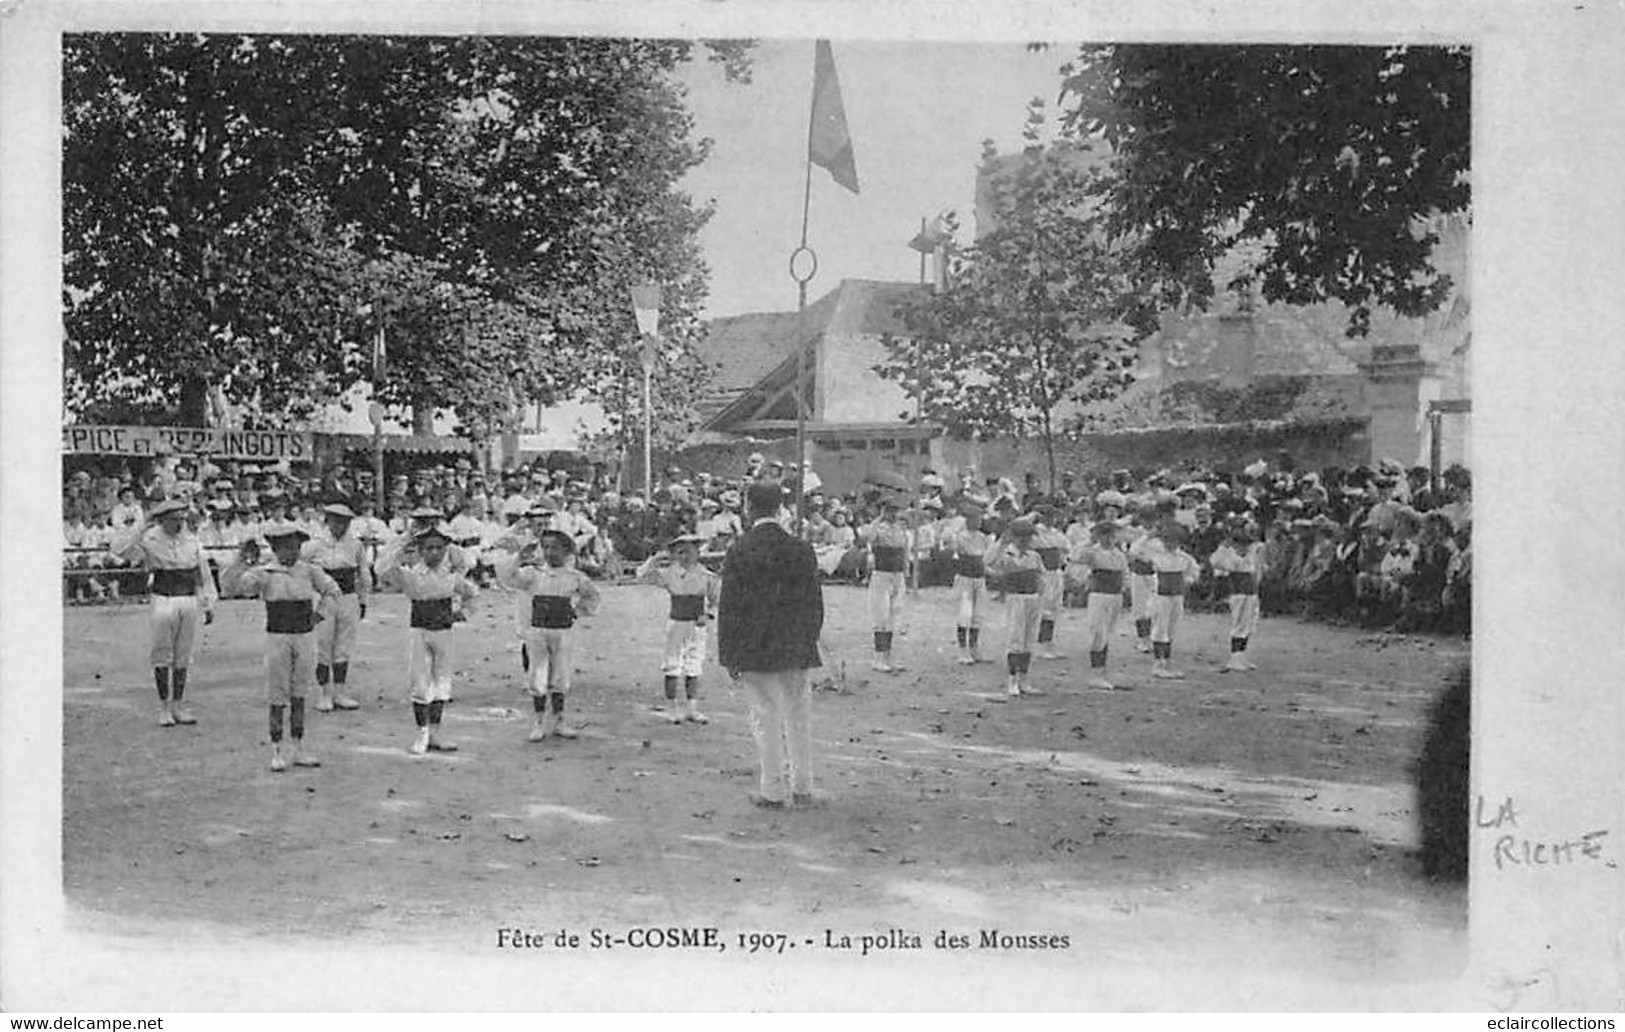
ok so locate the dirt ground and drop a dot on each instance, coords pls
(1257, 821)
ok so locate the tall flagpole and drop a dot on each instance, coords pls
(828, 144)
(801, 354)
(811, 266)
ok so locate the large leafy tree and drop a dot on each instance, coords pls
(246, 211)
(548, 189)
(1333, 161)
(1036, 317)
(192, 246)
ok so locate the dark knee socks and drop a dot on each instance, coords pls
(296, 719)
(160, 677)
(671, 686)
(276, 724)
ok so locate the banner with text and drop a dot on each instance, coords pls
(265, 445)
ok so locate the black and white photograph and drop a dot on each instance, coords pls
(564, 509)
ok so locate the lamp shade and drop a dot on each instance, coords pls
(646, 306)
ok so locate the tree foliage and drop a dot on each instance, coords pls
(1036, 317)
(1336, 159)
(245, 211)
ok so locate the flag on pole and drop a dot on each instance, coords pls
(378, 356)
(829, 145)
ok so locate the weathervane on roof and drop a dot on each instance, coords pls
(935, 238)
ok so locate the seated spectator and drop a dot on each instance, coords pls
(80, 584)
(128, 512)
(1456, 600)
(831, 538)
(1423, 597)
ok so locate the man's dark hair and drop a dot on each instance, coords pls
(764, 498)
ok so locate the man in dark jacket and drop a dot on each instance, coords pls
(768, 621)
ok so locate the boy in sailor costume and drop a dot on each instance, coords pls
(556, 594)
(421, 567)
(294, 591)
(182, 593)
(342, 555)
(1101, 565)
(694, 592)
(888, 541)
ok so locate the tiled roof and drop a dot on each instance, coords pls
(745, 348)
(868, 307)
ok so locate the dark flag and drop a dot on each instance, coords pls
(829, 144)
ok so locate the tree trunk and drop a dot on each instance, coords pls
(1045, 402)
(1049, 449)
(194, 408)
(624, 480)
(422, 418)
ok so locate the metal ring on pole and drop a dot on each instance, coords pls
(811, 263)
(812, 256)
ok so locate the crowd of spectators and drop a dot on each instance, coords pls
(1370, 546)
(1374, 546)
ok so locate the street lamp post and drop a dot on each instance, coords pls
(646, 306)
(648, 434)
(375, 409)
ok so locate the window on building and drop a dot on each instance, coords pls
(886, 444)
(905, 447)
(856, 445)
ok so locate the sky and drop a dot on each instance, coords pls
(917, 112)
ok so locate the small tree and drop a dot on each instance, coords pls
(1036, 317)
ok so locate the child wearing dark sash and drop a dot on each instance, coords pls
(292, 588)
(1240, 560)
(1102, 565)
(558, 594)
(694, 592)
(423, 570)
